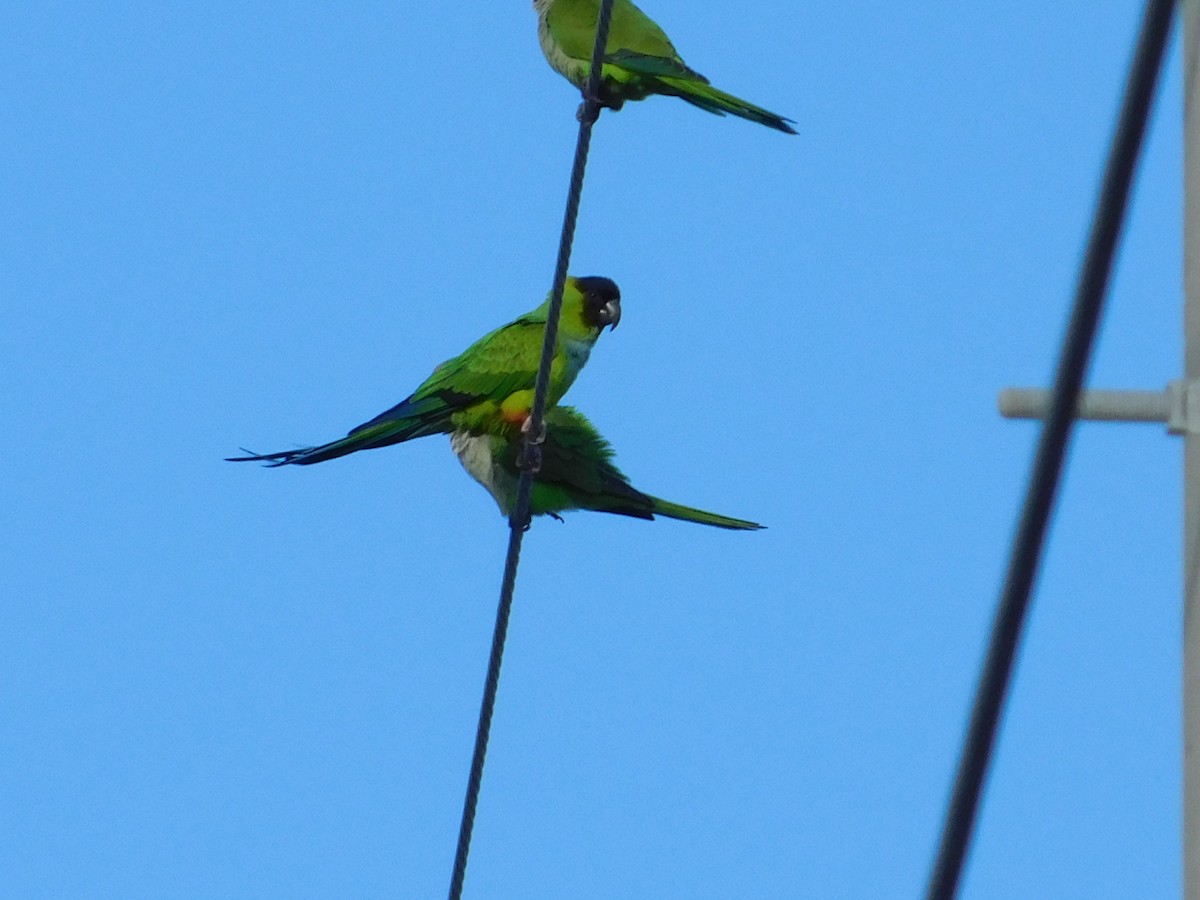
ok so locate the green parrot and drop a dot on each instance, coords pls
(577, 472)
(639, 59)
(488, 388)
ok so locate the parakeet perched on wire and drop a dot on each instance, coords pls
(577, 472)
(639, 59)
(489, 386)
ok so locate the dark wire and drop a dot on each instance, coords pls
(1043, 483)
(521, 516)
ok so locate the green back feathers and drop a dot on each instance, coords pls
(572, 24)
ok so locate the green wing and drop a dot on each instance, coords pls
(572, 24)
(504, 361)
(498, 364)
(578, 472)
(654, 66)
(490, 369)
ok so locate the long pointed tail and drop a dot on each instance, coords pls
(402, 422)
(306, 456)
(705, 96)
(690, 514)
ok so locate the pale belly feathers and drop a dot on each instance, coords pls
(474, 451)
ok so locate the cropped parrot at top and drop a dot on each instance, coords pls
(577, 472)
(639, 59)
(488, 388)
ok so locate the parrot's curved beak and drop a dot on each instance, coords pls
(612, 313)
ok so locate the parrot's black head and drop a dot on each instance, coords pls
(601, 300)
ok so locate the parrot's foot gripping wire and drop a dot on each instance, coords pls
(534, 437)
(588, 112)
(531, 458)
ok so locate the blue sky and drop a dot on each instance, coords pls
(260, 224)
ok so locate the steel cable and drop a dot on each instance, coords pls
(521, 516)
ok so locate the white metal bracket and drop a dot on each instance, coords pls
(1177, 407)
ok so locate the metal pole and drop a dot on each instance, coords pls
(1191, 465)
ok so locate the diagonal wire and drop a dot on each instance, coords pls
(519, 522)
(1047, 468)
